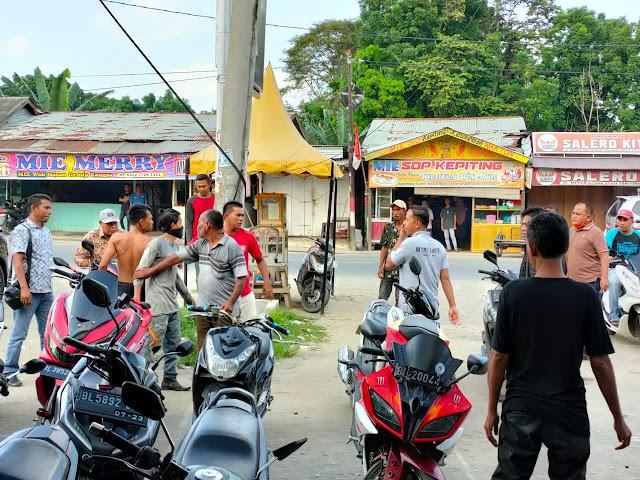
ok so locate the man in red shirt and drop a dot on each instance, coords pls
(202, 201)
(233, 218)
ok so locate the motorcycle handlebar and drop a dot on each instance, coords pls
(64, 273)
(486, 272)
(194, 308)
(85, 347)
(278, 328)
(402, 289)
(114, 439)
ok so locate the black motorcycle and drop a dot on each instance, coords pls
(239, 355)
(489, 312)
(226, 441)
(91, 394)
(12, 214)
(310, 276)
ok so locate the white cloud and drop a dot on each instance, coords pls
(17, 45)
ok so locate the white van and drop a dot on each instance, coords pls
(623, 203)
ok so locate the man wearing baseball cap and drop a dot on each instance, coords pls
(388, 240)
(624, 242)
(99, 237)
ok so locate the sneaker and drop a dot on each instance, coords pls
(14, 382)
(173, 384)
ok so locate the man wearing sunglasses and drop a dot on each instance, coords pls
(623, 242)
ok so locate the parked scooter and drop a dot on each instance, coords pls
(73, 315)
(489, 312)
(226, 442)
(12, 214)
(239, 355)
(91, 394)
(309, 279)
(407, 416)
(628, 271)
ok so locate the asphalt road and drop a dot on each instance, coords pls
(310, 400)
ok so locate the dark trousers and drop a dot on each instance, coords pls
(520, 439)
(386, 285)
(596, 286)
(123, 216)
(204, 324)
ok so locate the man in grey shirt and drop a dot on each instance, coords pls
(160, 293)
(223, 271)
(35, 281)
(414, 241)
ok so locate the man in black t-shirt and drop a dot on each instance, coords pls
(539, 345)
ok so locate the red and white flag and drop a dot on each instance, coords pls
(357, 154)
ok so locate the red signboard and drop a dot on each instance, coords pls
(592, 143)
(545, 177)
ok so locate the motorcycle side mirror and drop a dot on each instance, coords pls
(33, 366)
(88, 246)
(185, 348)
(7, 203)
(480, 362)
(283, 452)
(61, 262)
(143, 400)
(491, 257)
(415, 266)
(96, 292)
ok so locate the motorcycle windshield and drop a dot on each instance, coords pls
(84, 315)
(635, 262)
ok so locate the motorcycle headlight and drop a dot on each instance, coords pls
(317, 263)
(384, 412)
(440, 427)
(225, 368)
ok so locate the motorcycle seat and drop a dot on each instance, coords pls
(32, 459)
(229, 438)
(265, 341)
(417, 324)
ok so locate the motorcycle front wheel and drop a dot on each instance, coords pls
(376, 472)
(312, 298)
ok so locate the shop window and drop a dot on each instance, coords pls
(383, 203)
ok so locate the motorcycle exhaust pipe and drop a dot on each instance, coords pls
(347, 375)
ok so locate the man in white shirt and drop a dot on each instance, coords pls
(414, 241)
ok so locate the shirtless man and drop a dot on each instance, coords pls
(129, 246)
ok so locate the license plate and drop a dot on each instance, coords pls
(415, 375)
(106, 405)
(55, 371)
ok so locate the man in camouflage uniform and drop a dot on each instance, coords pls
(389, 238)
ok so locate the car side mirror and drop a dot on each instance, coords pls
(491, 257)
(480, 362)
(96, 292)
(143, 400)
(60, 262)
(415, 266)
(33, 366)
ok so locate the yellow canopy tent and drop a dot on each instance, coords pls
(275, 146)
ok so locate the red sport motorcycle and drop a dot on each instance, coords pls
(73, 315)
(408, 414)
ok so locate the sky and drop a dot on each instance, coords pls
(80, 35)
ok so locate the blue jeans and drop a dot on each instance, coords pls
(166, 328)
(615, 292)
(40, 306)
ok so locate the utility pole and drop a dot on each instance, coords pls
(236, 104)
(352, 176)
(223, 24)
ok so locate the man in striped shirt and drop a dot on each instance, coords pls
(223, 271)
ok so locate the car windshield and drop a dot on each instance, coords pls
(84, 315)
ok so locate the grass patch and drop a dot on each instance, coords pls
(303, 331)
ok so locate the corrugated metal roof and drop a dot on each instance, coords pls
(111, 127)
(385, 131)
(102, 148)
(589, 163)
(8, 105)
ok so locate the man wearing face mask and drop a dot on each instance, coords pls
(160, 292)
